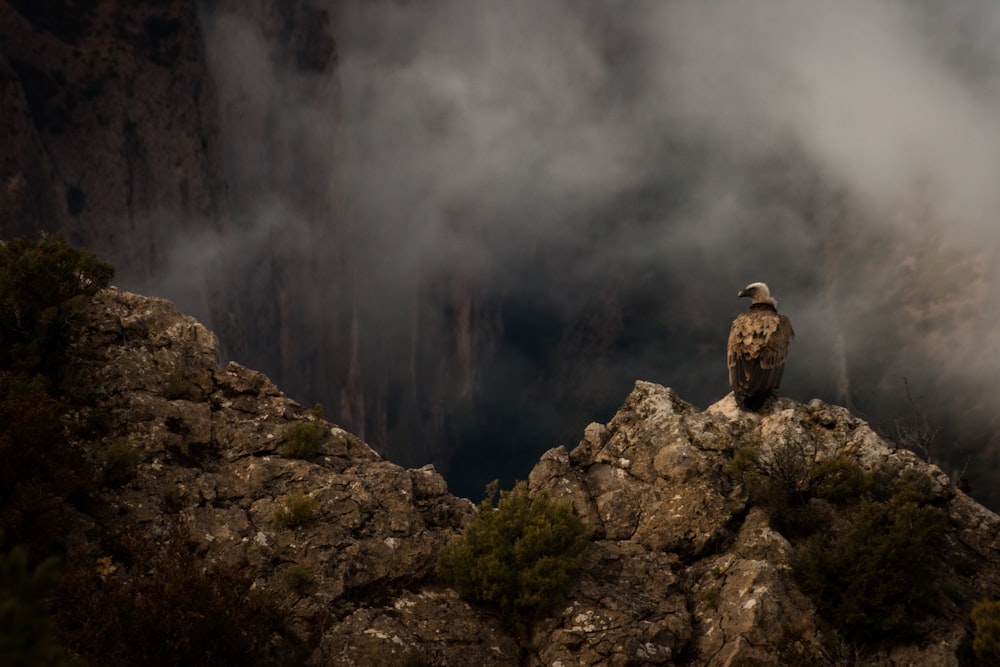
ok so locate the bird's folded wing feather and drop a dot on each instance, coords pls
(757, 349)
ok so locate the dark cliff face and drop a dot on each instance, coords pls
(112, 121)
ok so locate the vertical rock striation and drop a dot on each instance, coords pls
(112, 128)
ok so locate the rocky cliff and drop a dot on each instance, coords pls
(684, 568)
(111, 127)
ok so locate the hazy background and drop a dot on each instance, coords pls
(534, 204)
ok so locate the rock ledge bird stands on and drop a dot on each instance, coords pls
(758, 347)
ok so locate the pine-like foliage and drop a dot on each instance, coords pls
(519, 557)
(876, 577)
(44, 286)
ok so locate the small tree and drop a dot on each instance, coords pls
(303, 440)
(875, 578)
(519, 557)
(44, 286)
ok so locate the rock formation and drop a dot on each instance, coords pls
(684, 571)
(209, 439)
(683, 568)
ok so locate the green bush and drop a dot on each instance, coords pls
(296, 509)
(875, 578)
(120, 461)
(838, 480)
(303, 440)
(986, 618)
(519, 557)
(44, 287)
(868, 542)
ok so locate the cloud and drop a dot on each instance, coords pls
(525, 121)
(670, 152)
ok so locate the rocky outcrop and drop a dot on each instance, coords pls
(682, 569)
(209, 441)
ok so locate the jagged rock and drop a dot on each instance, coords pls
(647, 480)
(748, 610)
(628, 608)
(210, 458)
(682, 569)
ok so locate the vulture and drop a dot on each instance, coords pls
(758, 346)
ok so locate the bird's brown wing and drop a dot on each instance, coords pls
(757, 349)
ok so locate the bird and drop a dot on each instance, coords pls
(757, 349)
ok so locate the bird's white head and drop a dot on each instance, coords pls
(759, 293)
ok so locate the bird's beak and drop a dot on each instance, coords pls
(742, 293)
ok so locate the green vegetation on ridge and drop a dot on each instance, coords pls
(868, 542)
(519, 557)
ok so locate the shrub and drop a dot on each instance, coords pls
(303, 440)
(986, 618)
(298, 578)
(45, 285)
(296, 510)
(519, 557)
(838, 480)
(120, 461)
(909, 485)
(875, 578)
(778, 479)
(872, 572)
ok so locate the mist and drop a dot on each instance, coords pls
(598, 180)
